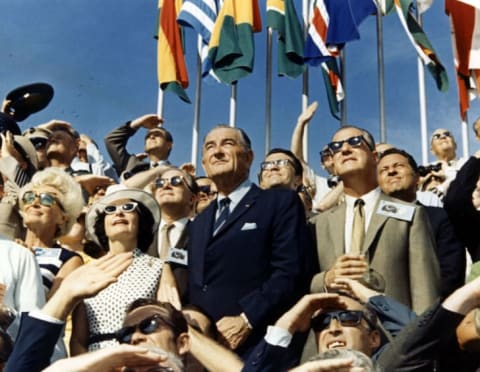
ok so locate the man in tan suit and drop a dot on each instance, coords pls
(371, 230)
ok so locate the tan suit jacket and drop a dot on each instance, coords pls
(402, 251)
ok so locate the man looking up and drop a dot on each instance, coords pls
(371, 231)
(158, 145)
(245, 256)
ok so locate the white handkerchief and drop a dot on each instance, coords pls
(249, 226)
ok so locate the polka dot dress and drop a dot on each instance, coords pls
(106, 310)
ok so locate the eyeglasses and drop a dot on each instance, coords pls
(266, 165)
(437, 136)
(126, 208)
(354, 141)
(45, 199)
(347, 318)
(207, 190)
(146, 326)
(173, 181)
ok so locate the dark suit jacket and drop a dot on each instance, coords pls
(458, 204)
(253, 264)
(450, 250)
(34, 345)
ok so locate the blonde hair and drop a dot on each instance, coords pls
(71, 197)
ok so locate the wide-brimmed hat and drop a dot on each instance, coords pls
(28, 99)
(119, 193)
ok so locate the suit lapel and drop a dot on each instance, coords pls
(245, 203)
(336, 226)
(376, 223)
(202, 237)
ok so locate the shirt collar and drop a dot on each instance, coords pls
(369, 198)
(236, 195)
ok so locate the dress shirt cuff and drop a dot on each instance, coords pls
(37, 314)
(277, 336)
(244, 317)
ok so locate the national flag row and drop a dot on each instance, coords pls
(226, 29)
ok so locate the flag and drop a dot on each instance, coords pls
(201, 16)
(282, 17)
(333, 85)
(423, 5)
(420, 42)
(231, 49)
(171, 68)
(465, 20)
(332, 24)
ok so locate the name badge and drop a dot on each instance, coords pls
(396, 210)
(178, 256)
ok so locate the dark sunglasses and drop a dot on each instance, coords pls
(347, 318)
(38, 143)
(45, 199)
(207, 190)
(354, 141)
(437, 136)
(146, 326)
(173, 181)
(274, 163)
(126, 208)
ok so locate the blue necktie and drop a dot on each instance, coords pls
(222, 217)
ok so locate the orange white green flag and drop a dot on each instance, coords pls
(231, 49)
(171, 68)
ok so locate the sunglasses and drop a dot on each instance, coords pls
(437, 136)
(347, 318)
(266, 165)
(206, 190)
(354, 141)
(45, 199)
(173, 181)
(126, 208)
(146, 326)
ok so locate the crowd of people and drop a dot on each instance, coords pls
(138, 264)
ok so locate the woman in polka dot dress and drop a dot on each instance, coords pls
(122, 221)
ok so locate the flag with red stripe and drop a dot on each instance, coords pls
(171, 68)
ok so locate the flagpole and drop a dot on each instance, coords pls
(160, 102)
(423, 103)
(268, 92)
(198, 99)
(343, 67)
(233, 104)
(465, 139)
(381, 82)
(305, 80)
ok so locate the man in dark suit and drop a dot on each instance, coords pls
(245, 256)
(398, 177)
(158, 145)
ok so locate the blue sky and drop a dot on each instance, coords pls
(100, 56)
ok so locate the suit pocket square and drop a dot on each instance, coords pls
(249, 226)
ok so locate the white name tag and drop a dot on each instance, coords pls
(396, 210)
(178, 256)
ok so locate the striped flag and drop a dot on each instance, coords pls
(201, 16)
(465, 20)
(282, 17)
(420, 42)
(332, 24)
(333, 85)
(231, 49)
(171, 68)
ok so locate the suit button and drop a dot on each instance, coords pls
(205, 288)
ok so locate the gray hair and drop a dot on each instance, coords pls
(359, 358)
(71, 197)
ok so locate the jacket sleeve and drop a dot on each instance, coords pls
(116, 144)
